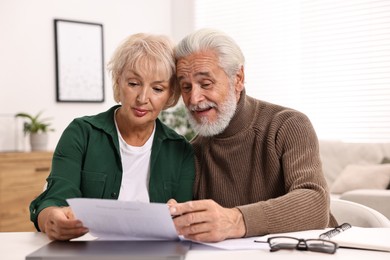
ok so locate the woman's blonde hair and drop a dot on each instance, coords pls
(140, 50)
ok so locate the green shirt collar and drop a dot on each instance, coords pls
(105, 122)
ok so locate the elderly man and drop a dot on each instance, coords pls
(258, 169)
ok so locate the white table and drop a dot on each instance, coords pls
(16, 245)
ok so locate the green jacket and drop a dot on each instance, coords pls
(87, 163)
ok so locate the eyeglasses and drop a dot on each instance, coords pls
(315, 245)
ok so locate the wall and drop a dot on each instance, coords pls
(182, 18)
(27, 67)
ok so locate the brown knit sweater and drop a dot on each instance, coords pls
(266, 163)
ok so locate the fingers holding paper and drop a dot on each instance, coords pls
(59, 223)
(206, 221)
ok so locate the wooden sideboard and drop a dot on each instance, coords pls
(22, 178)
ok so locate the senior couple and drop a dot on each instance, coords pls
(252, 169)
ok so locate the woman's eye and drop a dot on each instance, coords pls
(133, 84)
(158, 89)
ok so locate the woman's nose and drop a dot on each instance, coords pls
(143, 95)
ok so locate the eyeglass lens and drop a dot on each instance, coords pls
(316, 245)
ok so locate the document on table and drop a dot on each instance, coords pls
(247, 243)
(354, 237)
(124, 220)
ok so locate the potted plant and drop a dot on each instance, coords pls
(176, 118)
(37, 128)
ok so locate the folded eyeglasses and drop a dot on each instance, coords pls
(316, 245)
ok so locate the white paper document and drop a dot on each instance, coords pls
(234, 244)
(124, 220)
(354, 237)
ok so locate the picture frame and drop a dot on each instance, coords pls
(79, 55)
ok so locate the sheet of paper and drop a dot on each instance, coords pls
(366, 238)
(355, 237)
(124, 220)
(234, 244)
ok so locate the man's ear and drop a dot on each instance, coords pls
(240, 79)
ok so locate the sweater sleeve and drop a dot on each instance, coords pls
(305, 204)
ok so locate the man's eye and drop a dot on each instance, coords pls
(186, 88)
(205, 85)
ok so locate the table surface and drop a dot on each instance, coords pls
(16, 245)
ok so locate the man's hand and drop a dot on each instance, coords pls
(206, 220)
(60, 223)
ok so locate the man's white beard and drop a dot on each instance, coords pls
(225, 112)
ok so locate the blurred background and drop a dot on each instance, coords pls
(328, 58)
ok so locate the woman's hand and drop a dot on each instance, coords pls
(59, 223)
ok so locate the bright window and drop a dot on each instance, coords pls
(327, 58)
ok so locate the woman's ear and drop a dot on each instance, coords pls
(173, 98)
(116, 92)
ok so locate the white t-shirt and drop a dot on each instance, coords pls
(136, 170)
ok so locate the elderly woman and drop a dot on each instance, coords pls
(125, 153)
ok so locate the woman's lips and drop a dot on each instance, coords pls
(140, 112)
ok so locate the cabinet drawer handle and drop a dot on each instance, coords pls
(42, 169)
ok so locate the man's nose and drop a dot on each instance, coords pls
(196, 95)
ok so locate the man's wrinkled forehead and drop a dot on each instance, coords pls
(196, 65)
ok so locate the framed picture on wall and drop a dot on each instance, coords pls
(79, 61)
